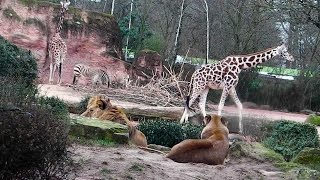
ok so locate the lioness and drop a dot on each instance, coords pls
(212, 150)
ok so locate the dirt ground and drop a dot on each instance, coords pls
(126, 162)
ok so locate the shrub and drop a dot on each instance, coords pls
(289, 138)
(82, 106)
(34, 131)
(168, 133)
(17, 64)
(33, 144)
(55, 106)
(162, 132)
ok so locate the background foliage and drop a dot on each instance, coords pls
(289, 138)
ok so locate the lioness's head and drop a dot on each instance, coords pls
(96, 105)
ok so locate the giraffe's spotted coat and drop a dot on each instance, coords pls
(225, 75)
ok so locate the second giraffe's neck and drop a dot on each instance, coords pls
(252, 60)
(61, 18)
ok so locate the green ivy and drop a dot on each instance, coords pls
(289, 138)
(168, 133)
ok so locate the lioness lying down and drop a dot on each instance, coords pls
(211, 150)
(100, 107)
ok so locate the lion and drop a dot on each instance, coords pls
(100, 107)
(212, 150)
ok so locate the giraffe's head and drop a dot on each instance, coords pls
(65, 4)
(283, 52)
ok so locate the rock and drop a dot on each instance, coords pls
(269, 173)
(265, 107)
(255, 151)
(250, 105)
(307, 111)
(303, 173)
(93, 128)
(235, 138)
(309, 157)
(159, 147)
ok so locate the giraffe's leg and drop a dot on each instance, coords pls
(224, 95)
(53, 71)
(59, 73)
(202, 102)
(196, 91)
(235, 98)
(51, 74)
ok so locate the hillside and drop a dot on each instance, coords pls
(92, 38)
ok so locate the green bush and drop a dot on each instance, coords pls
(17, 64)
(82, 106)
(168, 133)
(33, 144)
(34, 130)
(289, 138)
(55, 106)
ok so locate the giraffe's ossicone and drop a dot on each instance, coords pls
(225, 75)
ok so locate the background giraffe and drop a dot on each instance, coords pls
(57, 46)
(225, 75)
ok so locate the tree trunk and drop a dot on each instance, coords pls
(175, 47)
(208, 37)
(112, 7)
(126, 53)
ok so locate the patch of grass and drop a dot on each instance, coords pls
(286, 166)
(136, 167)
(314, 119)
(105, 171)
(11, 14)
(91, 142)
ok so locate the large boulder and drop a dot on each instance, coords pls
(255, 151)
(303, 173)
(309, 157)
(96, 129)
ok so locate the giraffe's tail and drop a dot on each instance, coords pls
(187, 104)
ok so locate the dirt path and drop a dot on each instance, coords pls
(68, 94)
(132, 163)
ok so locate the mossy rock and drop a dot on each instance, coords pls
(255, 151)
(303, 173)
(313, 119)
(93, 128)
(309, 157)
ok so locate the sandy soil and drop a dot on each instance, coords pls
(126, 162)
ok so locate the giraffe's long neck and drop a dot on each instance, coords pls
(252, 60)
(61, 18)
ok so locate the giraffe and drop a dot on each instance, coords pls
(57, 46)
(225, 75)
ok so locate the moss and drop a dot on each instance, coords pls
(313, 119)
(136, 167)
(96, 129)
(91, 142)
(310, 157)
(267, 153)
(286, 166)
(256, 151)
(36, 22)
(11, 14)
